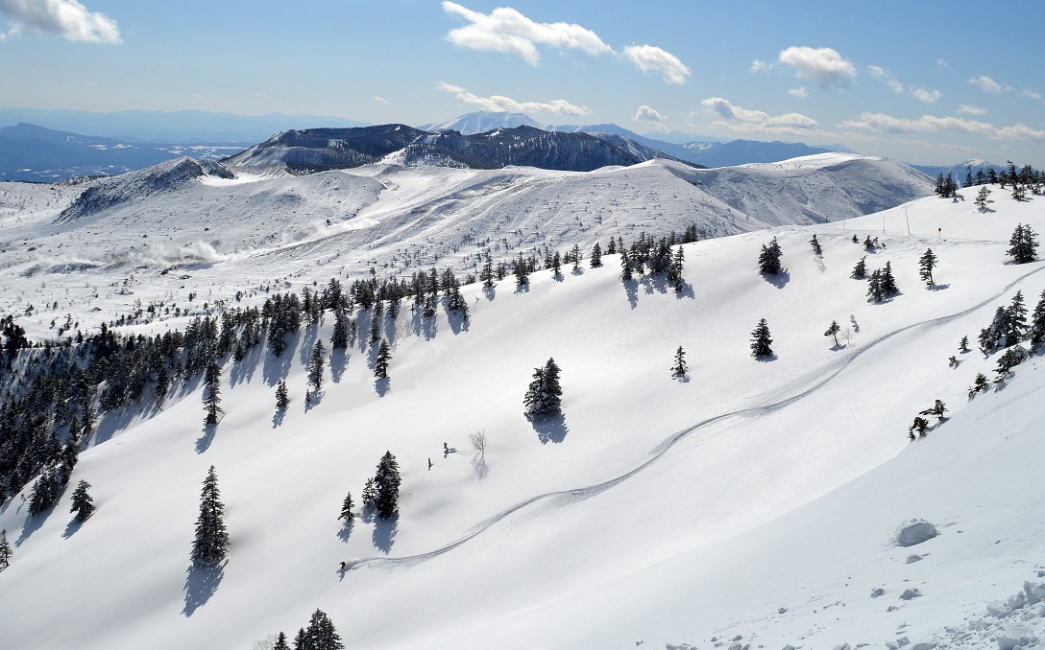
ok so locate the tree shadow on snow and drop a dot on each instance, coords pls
(71, 528)
(207, 437)
(277, 418)
(778, 280)
(384, 534)
(201, 582)
(480, 466)
(345, 531)
(338, 364)
(457, 322)
(550, 428)
(939, 287)
(382, 386)
(631, 287)
(490, 292)
(33, 524)
(766, 358)
(276, 368)
(685, 291)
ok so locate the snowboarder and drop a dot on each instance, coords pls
(446, 450)
(429, 462)
(343, 566)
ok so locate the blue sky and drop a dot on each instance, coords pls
(920, 81)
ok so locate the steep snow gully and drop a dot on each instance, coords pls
(564, 497)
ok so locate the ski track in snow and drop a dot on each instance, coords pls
(671, 441)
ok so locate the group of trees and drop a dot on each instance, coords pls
(544, 394)
(320, 634)
(1023, 245)
(881, 284)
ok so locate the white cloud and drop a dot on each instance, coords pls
(1027, 92)
(882, 123)
(650, 58)
(927, 96)
(651, 117)
(739, 118)
(66, 18)
(988, 85)
(943, 63)
(380, 100)
(799, 92)
(502, 103)
(823, 65)
(758, 65)
(968, 109)
(506, 30)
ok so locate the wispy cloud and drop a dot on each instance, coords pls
(66, 18)
(739, 118)
(652, 117)
(799, 92)
(883, 123)
(378, 99)
(988, 85)
(650, 58)
(1031, 94)
(502, 103)
(968, 109)
(822, 65)
(506, 30)
(892, 83)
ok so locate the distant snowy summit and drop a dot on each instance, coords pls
(481, 122)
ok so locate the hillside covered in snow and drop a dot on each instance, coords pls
(748, 502)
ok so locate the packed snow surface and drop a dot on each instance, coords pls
(757, 504)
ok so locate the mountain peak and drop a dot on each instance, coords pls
(482, 121)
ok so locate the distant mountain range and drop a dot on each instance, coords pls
(176, 127)
(33, 153)
(960, 170)
(482, 121)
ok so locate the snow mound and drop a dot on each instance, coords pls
(915, 532)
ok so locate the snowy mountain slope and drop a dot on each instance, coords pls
(397, 219)
(786, 479)
(481, 122)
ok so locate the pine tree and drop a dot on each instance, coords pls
(982, 198)
(769, 258)
(1037, 327)
(384, 356)
(346, 509)
(486, 274)
(212, 394)
(889, 287)
(596, 256)
(679, 369)
(320, 634)
(5, 551)
(979, 385)
(163, 384)
(963, 345)
(212, 539)
(868, 244)
(386, 485)
(83, 504)
(1016, 323)
(833, 330)
(556, 265)
(282, 399)
(760, 341)
(926, 264)
(369, 494)
(625, 267)
(522, 275)
(339, 337)
(860, 270)
(817, 250)
(300, 640)
(281, 642)
(1023, 245)
(575, 257)
(315, 367)
(918, 426)
(675, 270)
(611, 247)
(544, 394)
(875, 293)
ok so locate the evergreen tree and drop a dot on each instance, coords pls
(212, 539)
(346, 509)
(760, 341)
(860, 270)
(5, 551)
(163, 384)
(384, 356)
(675, 270)
(47, 489)
(982, 198)
(1016, 323)
(868, 244)
(611, 247)
(339, 337)
(889, 287)
(486, 274)
(918, 428)
(320, 634)
(575, 257)
(386, 486)
(679, 369)
(596, 256)
(963, 345)
(817, 250)
(282, 399)
(625, 266)
(281, 642)
(544, 394)
(369, 494)
(83, 504)
(833, 330)
(1037, 327)
(522, 275)
(769, 258)
(979, 385)
(968, 177)
(1023, 245)
(300, 639)
(212, 394)
(875, 293)
(926, 264)
(315, 367)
